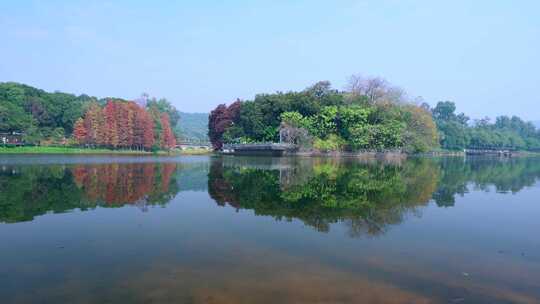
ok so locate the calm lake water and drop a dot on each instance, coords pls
(268, 230)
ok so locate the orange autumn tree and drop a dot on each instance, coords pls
(143, 129)
(79, 131)
(148, 131)
(93, 124)
(111, 134)
(121, 124)
(167, 136)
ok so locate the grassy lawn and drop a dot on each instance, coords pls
(73, 150)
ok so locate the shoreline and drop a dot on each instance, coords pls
(47, 150)
(43, 150)
(378, 154)
(395, 155)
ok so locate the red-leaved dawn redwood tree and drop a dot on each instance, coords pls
(121, 124)
(79, 131)
(167, 136)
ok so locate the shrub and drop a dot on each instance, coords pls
(331, 143)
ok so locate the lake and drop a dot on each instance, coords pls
(211, 229)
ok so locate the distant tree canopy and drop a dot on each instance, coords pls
(456, 131)
(23, 107)
(110, 122)
(372, 115)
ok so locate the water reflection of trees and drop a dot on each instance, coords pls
(28, 191)
(458, 176)
(367, 196)
(120, 184)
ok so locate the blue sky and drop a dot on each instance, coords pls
(484, 55)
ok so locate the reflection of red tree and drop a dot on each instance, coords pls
(117, 184)
(219, 188)
(167, 171)
(79, 174)
(111, 181)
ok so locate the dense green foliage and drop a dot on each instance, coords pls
(370, 115)
(333, 120)
(24, 108)
(44, 117)
(456, 132)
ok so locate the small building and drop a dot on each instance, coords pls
(12, 138)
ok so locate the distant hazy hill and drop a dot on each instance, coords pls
(537, 124)
(193, 126)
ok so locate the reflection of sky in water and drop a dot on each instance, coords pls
(484, 249)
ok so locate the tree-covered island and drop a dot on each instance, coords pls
(371, 114)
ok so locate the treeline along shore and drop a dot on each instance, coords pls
(370, 115)
(54, 122)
